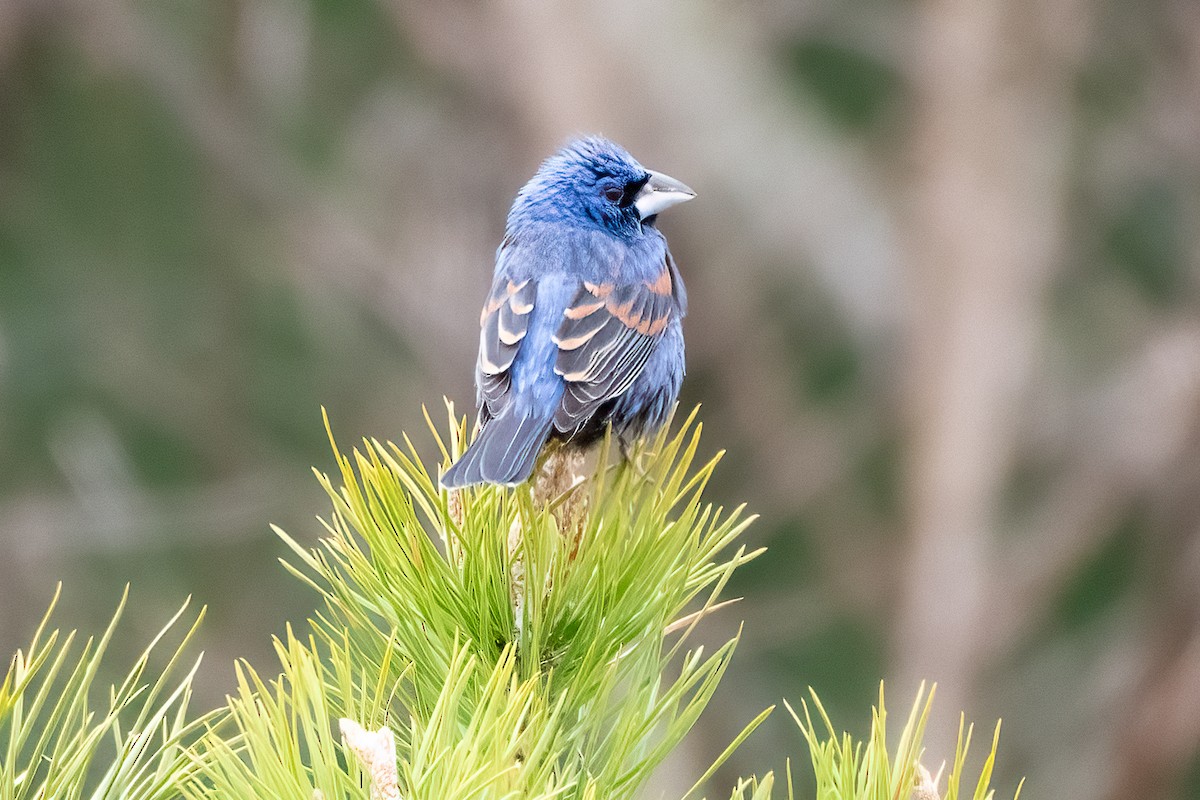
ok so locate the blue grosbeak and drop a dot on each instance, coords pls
(582, 325)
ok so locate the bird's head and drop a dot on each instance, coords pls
(595, 182)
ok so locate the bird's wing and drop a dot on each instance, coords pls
(607, 334)
(503, 325)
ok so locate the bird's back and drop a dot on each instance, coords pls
(581, 326)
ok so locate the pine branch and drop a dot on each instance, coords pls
(58, 741)
(489, 643)
(561, 696)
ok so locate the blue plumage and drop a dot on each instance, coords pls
(582, 324)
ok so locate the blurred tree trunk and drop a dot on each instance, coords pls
(986, 204)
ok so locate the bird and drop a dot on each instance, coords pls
(582, 326)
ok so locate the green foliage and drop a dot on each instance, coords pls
(491, 643)
(57, 741)
(842, 654)
(1106, 574)
(1145, 245)
(855, 89)
(849, 770)
(559, 695)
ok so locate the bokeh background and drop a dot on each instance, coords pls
(944, 280)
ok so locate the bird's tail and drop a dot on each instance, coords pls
(504, 452)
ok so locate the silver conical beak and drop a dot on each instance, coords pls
(660, 192)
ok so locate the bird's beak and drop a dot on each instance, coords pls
(660, 192)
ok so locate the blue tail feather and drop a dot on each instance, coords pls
(505, 451)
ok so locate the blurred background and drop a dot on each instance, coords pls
(944, 280)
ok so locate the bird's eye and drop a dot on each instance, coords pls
(613, 194)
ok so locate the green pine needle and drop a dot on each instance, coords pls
(58, 740)
(849, 770)
(528, 643)
(563, 694)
